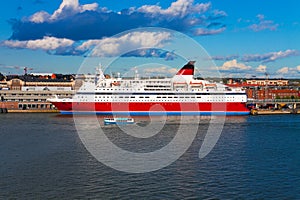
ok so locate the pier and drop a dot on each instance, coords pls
(274, 106)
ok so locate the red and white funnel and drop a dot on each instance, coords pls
(187, 69)
(185, 74)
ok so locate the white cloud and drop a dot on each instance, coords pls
(263, 24)
(204, 31)
(234, 65)
(270, 57)
(284, 70)
(283, 54)
(72, 6)
(107, 47)
(47, 43)
(261, 68)
(289, 71)
(220, 13)
(179, 8)
(39, 17)
(116, 46)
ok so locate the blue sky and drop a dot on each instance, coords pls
(242, 38)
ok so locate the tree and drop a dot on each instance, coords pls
(2, 77)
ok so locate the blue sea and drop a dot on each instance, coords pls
(256, 157)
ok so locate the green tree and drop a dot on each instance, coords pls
(2, 77)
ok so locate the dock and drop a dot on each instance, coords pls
(274, 106)
(273, 112)
(33, 111)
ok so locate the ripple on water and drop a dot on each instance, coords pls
(255, 158)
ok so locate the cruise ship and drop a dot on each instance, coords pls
(181, 94)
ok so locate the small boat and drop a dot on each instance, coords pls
(118, 120)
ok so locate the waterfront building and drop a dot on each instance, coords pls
(272, 94)
(267, 82)
(31, 93)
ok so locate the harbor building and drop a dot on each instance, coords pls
(29, 93)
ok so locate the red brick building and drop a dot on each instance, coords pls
(269, 82)
(273, 94)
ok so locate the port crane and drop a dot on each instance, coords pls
(26, 69)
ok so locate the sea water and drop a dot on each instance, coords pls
(256, 157)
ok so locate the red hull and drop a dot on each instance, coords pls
(151, 107)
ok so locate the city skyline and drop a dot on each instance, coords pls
(244, 39)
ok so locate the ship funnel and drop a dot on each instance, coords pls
(187, 69)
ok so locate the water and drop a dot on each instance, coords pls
(256, 157)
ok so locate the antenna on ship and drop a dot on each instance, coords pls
(136, 75)
(99, 72)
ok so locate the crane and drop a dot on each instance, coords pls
(26, 69)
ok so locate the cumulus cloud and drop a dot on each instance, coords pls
(47, 43)
(289, 71)
(115, 46)
(67, 7)
(269, 57)
(263, 24)
(39, 17)
(224, 58)
(284, 70)
(75, 29)
(138, 44)
(90, 21)
(233, 65)
(205, 31)
(261, 68)
(179, 8)
(219, 14)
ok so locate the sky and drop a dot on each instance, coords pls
(233, 38)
